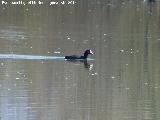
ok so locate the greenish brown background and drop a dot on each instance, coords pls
(123, 81)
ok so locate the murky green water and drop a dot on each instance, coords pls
(123, 81)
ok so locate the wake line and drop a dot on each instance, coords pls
(29, 57)
(33, 57)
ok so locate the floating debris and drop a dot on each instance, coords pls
(146, 83)
(156, 87)
(7, 75)
(127, 88)
(57, 52)
(96, 73)
(113, 77)
(24, 76)
(68, 38)
(93, 74)
(8, 89)
(85, 41)
(18, 72)
(27, 9)
(22, 37)
(122, 50)
(2, 64)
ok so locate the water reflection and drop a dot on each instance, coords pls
(87, 65)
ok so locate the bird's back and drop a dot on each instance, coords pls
(74, 57)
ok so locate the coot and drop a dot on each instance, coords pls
(149, 0)
(75, 57)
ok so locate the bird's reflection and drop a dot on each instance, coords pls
(87, 65)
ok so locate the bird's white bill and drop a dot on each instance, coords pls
(91, 52)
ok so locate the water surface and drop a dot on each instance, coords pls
(121, 83)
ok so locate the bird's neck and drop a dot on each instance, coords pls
(85, 55)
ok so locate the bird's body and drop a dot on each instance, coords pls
(75, 57)
(149, 0)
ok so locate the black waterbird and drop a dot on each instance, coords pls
(75, 57)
